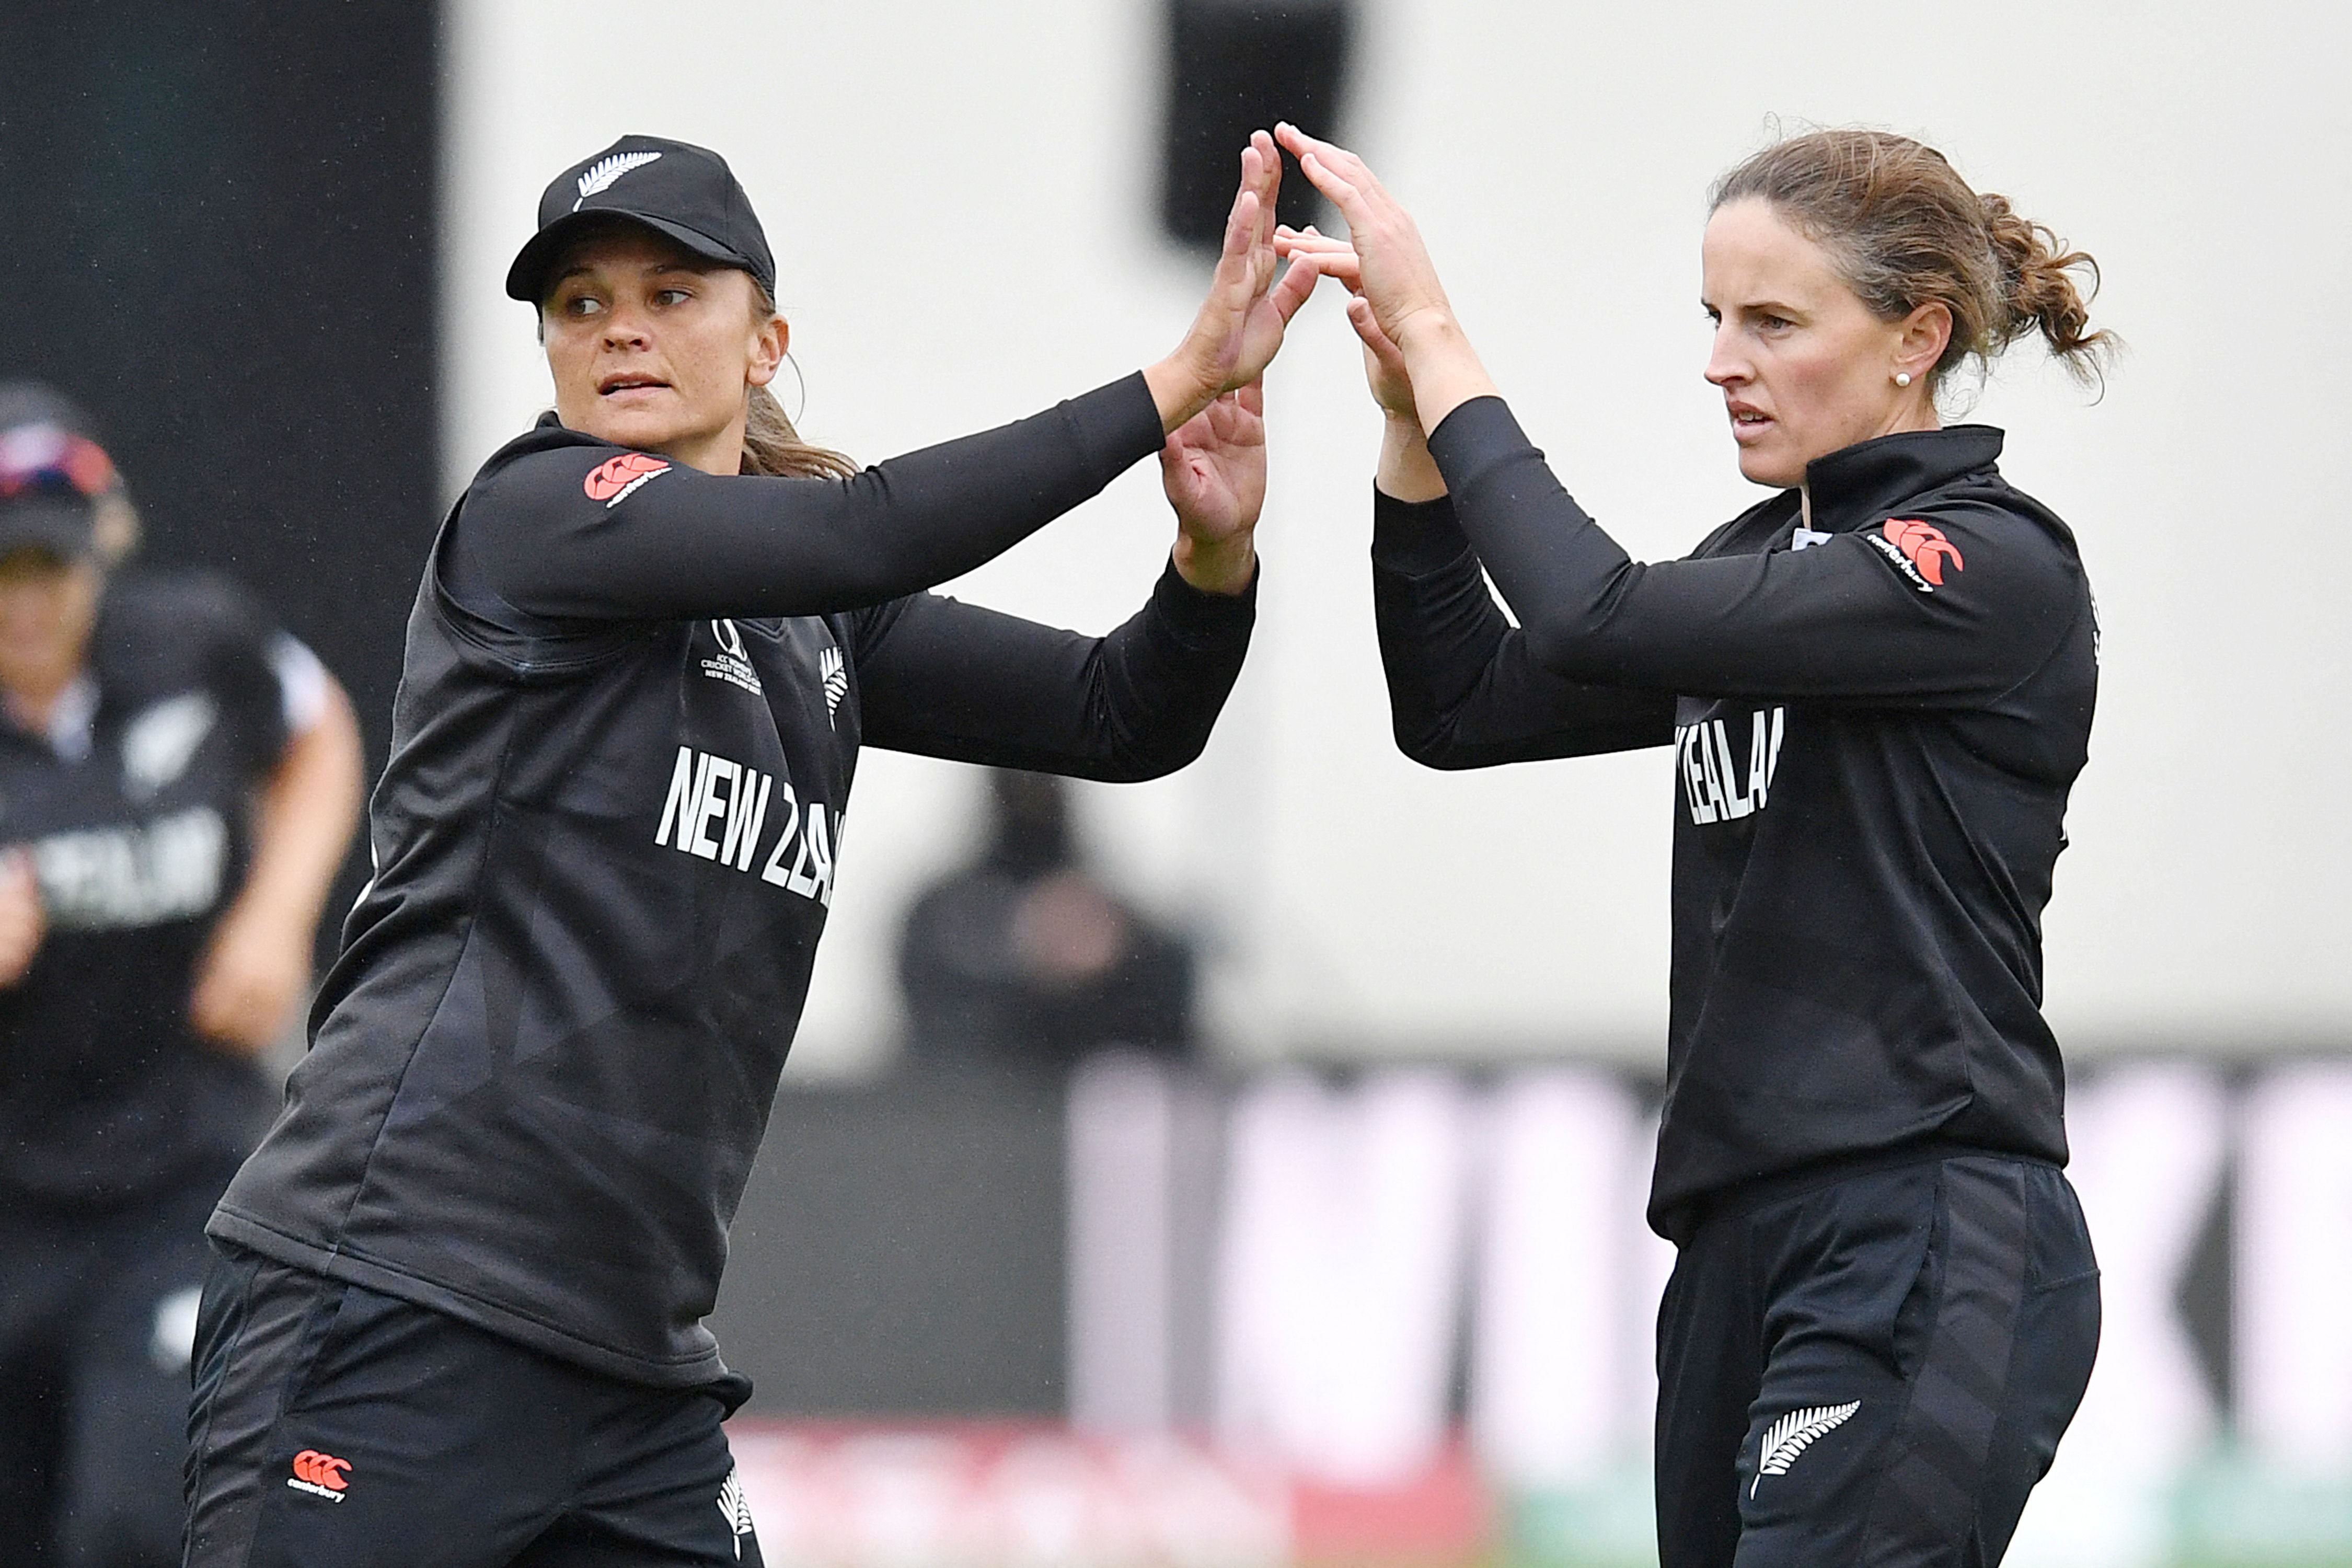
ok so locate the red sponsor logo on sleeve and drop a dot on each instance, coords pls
(1925, 546)
(609, 481)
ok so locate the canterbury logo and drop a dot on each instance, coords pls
(830, 667)
(322, 1475)
(604, 171)
(1925, 545)
(1791, 1436)
(614, 482)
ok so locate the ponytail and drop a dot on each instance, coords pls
(772, 447)
(2040, 291)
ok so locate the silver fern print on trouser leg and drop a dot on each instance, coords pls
(737, 1508)
(1787, 1439)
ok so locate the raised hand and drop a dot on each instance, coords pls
(1213, 469)
(1404, 307)
(1384, 366)
(1241, 324)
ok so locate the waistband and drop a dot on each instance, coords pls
(1746, 1197)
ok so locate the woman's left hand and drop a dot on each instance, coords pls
(1213, 469)
(1240, 326)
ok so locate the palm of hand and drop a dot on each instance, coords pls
(1215, 468)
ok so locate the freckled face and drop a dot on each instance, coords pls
(1805, 368)
(653, 347)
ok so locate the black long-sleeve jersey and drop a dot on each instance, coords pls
(606, 839)
(135, 812)
(1876, 722)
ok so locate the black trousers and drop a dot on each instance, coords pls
(1873, 1369)
(97, 1314)
(333, 1424)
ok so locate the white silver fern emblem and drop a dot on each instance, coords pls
(830, 669)
(604, 171)
(1792, 1435)
(737, 1508)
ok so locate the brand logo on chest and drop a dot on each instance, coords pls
(1715, 784)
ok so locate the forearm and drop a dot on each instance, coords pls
(1834, 623)
(954, 680)
(1446, 371)
(308, 810)
(1463, 690)
(683, 545)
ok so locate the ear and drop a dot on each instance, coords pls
(114, 531)
(1927, 333)
(770, 339)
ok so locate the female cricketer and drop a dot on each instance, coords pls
(456, 1318)
(179, 781)
(1878, 685)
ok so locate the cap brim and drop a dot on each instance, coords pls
(526, 279)
(69, 529)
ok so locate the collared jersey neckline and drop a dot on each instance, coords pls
(1859, 486)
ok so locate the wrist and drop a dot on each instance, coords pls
(1178, 390)
(1430, 327)
(1225, 566)
(1407, 472)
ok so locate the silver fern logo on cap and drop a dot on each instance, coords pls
(604, 171)
(1794, 1433)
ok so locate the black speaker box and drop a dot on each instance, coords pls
(1234, 67)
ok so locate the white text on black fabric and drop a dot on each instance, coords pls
(1716, 788)
(111, 878)
(717, 810)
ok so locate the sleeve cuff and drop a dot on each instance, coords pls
(1474, 438)
(1415, 537)
(1118, 424)
(1198, 616)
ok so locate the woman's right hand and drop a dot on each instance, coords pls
(1384, 366)
(23, 921)
(1406, 470)
(1241, 324)
(1403, 306)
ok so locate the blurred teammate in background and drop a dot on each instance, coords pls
(458, 1318)
(178, 785)
(1026, 958)
(1878, 684)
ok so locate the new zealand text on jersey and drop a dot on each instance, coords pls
(1717, 789)
(717, 809)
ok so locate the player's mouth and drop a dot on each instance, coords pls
(1747, 422)
(622, 383)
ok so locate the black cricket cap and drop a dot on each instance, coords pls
(52, 473)
(685, 192)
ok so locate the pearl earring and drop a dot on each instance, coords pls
(1902, 378)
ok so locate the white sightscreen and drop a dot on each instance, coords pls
(961, 200)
